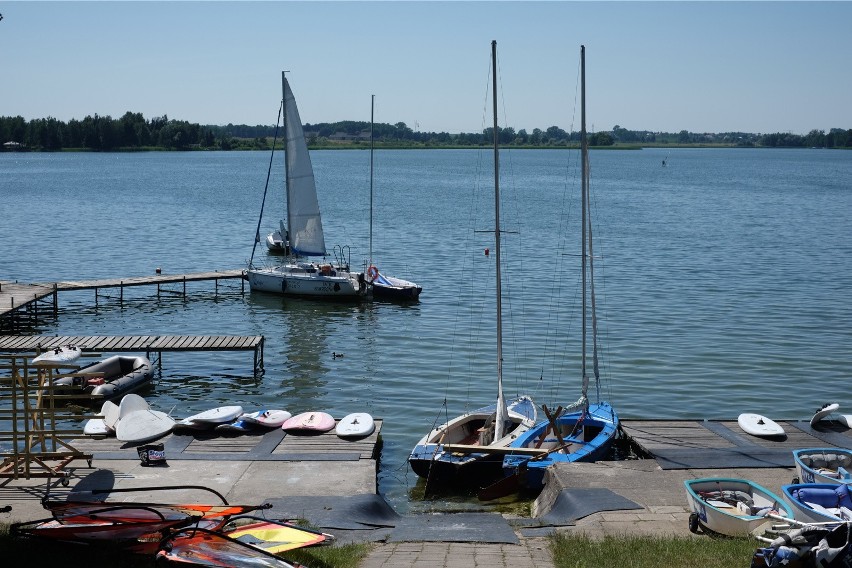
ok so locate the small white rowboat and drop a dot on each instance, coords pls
(732, 507)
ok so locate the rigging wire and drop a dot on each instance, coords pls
(266, 187)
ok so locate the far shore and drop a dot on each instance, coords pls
(383, 146)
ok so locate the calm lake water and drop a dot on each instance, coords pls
(723, 279)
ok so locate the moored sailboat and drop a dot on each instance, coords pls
(385, 286)
(303, 235)
(464, 450)
(586, 433)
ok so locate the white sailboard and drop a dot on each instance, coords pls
(758, 425)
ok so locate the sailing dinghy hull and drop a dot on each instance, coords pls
(732, 507)
(392, 288)
(430, 459)
(586, 437)
(819, 502)
(823, 465)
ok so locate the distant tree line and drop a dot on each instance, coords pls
(133, 132)
(104, 133)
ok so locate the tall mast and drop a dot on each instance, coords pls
(286, 237)
(372, 110)
(584, 188)
(501, 403)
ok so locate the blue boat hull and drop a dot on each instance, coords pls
(588, 436)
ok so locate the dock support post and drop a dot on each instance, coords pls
(216, 288)
(35, 308)
(55, 299)
(258, 357)
(96, 296)
(184, 287)
(121, 293)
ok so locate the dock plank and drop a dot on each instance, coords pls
(272, 445)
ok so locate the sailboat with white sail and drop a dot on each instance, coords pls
(586, 433)
(462, 450)
(385, 286)
(302, 237)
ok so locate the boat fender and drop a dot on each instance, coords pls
(283, 285)
(372, 273)
(336, 287)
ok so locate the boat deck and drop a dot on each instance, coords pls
(272, 445)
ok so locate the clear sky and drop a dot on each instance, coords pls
(662, 66)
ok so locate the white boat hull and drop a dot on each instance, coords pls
(733, 507)
(296, 281)
(819, 502)
(823, 465)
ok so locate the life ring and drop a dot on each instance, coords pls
(372, 273)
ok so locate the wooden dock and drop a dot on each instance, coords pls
(148, 344)
(16, 296)
(270, 445)
(714, 444)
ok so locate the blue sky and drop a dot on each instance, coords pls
(662, 66)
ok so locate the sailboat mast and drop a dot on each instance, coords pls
(372, 115)
(289, 226)
(584, 188)
(501, 404)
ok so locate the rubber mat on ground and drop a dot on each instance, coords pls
(357, 512)
(573, 504)
(454, 527)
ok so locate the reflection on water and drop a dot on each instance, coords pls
(721, 271)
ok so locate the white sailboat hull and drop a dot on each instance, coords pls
(291, 280)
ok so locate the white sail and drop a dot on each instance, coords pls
(303, 214)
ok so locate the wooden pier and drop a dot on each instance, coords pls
(140, 343)
(262, 445)
(17, 298)
(714, 444)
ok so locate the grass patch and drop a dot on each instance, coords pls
(344, 556)
(580, 551)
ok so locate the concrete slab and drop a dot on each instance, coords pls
(661, 494)
(268, 480)
(241, 482)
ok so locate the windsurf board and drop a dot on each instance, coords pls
(238, 426)
(758, 425)
(823, 412)
(143, 426)
(355, 424)
(218, 415)
(131, 403)
(268, 418)
(314, 421)
(109, 411)
(96, 427)
(63, 354)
